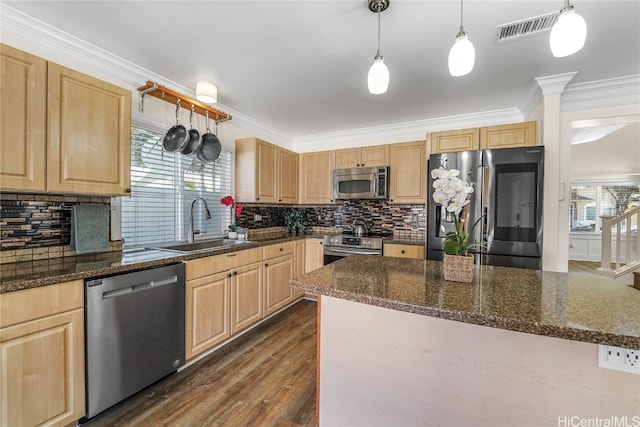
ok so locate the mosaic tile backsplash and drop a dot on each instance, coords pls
(39, 226)
(378, 216)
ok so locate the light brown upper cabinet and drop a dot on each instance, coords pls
(453, 140)
(265, 172)
(62, 131)
(491, 137)
(89, 134)
(408, 163)
(23, 106)
(377, 155)
(509, 136)
(316, 177)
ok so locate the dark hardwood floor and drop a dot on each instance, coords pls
(266, 377)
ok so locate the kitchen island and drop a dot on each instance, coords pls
(399, 345)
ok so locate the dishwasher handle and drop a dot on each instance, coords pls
(171, 280)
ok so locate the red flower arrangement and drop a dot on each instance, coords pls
(235, 209)
(228, 201)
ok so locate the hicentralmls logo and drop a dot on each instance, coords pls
(613, 421)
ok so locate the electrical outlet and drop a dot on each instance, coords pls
(257, 217)
(620, 359)
(414, 218)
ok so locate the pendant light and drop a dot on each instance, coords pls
(462, 55)
(378, 77)
(568, 33)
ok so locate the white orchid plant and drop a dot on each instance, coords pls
(453, 194)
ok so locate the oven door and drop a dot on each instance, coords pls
(334, 253)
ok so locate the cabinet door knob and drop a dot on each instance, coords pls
(228, 274)
(266, 264)
(127, 190)
(281, 249)
(235, 273)
(402, 251)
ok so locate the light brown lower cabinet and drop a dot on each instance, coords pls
(299, 258)
(403, 251)
(42, 348)
(246, 296)
(314, 253)
(207, 312)
(278, 272)
(210, 281)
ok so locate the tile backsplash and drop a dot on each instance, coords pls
(378, 215)
(37, 227)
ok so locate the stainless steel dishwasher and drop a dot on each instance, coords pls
(134, 332)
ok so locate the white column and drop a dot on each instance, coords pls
(555, 250)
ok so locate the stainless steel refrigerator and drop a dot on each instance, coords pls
(508, 191)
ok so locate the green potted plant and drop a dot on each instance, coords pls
(295, 222)
(453, 194)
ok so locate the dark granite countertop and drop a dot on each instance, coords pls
(575, 306)
(33, 274)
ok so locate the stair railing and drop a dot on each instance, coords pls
(632, 243)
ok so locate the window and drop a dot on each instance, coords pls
(589, 202)
(163, 186)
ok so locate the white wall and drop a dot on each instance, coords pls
(614, 157)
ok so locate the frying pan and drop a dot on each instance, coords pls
(210, 148)
(177, 137)
(194, 137)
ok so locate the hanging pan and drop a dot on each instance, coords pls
(210, 148)
(194, 137)
(177, 137)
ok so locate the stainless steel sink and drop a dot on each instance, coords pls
(201, 246)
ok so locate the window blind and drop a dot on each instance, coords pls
(164, 185)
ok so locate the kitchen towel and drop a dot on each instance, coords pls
(89, 228)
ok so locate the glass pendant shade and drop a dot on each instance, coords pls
(378, 78)
(568, 34)
(206, 92)
(462, 56)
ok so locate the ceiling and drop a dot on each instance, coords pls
(300, 67)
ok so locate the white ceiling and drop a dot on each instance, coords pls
(300, 67)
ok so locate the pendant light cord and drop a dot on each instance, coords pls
(378, 51)
(461, 32)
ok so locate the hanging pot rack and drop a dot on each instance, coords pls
(165, 94)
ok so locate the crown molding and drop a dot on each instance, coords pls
(602, 93)
(554, 85)
(406, 131)
(48, 42)
(531, 99)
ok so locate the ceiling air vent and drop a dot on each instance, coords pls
(525, 27)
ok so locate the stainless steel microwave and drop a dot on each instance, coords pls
(361, 183)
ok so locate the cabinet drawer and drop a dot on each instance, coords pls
(404, 251)
(29, 304)
(279, 249)
(217, 263)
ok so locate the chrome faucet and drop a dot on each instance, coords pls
(193, 232)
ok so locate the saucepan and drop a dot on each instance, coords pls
(177, 137)
(194, 137)
(210, 148)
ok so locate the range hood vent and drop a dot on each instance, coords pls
(525, 27)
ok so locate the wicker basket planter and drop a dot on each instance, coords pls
(458, 268)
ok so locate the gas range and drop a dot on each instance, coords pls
(348, 244)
